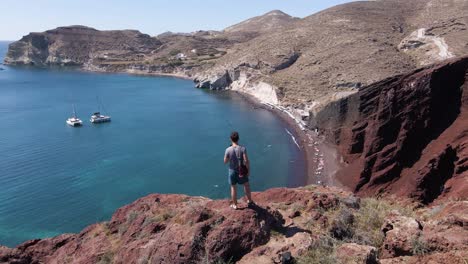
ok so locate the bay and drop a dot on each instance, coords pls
(165, 137)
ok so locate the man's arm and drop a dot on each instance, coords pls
(246, 160)
(226, 157)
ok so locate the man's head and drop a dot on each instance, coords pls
(234, 137)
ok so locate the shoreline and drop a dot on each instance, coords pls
(140, 73)
(319, 161)
(320, 158)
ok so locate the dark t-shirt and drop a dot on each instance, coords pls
(231, 153)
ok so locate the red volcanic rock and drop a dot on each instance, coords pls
(182, 229)
(174, 229)
(406, 135)
(447, 230)
(454, 213)
(454, 257)
(401, 232)
(354, 253)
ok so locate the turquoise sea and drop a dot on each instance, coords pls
(165, 137)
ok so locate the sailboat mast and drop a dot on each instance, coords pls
(74, 111)
(98, 103)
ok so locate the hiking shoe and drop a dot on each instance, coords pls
(233, 206)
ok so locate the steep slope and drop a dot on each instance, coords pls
(405, 135)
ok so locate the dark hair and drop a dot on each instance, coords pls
(235, 136)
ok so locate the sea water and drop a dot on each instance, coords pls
(165, 137)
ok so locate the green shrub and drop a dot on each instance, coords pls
(321, 252)
(420, 247)
(370, 218)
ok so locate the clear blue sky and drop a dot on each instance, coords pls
(19, 17)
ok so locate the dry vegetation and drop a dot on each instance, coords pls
(346, 225)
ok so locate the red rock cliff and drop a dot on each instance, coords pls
(406, 135)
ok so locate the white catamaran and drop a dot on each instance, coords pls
(74, 121)
(98, 117)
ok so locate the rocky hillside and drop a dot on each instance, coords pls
(330, 54)
(119, 50)
(405, 135)
(131, 51)
(307, 225)
(78, 45)
(304, 63)
(271, 21)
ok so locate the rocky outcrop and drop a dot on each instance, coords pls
(401, 233)
(285, 226)
(217, 82)
(405, 135)
(354, 253)
(79, 45)
(173, 229)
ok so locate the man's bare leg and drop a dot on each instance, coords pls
(234, 194)
(247, 192)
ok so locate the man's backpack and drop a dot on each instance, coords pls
(243, 170)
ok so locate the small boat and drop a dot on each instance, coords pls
(98, 118)
(74, 121)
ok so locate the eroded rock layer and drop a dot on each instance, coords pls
(405, 135)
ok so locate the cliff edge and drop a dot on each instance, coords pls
(308, 225)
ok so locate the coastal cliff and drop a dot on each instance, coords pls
(399, 128)
(79, 46)
(306, 225)
(405, 135)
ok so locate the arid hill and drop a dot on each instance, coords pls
(79, 45)
(304, 63)
(330, 54)
(264, 24)
(132, 51)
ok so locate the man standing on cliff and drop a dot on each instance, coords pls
(237, 157)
